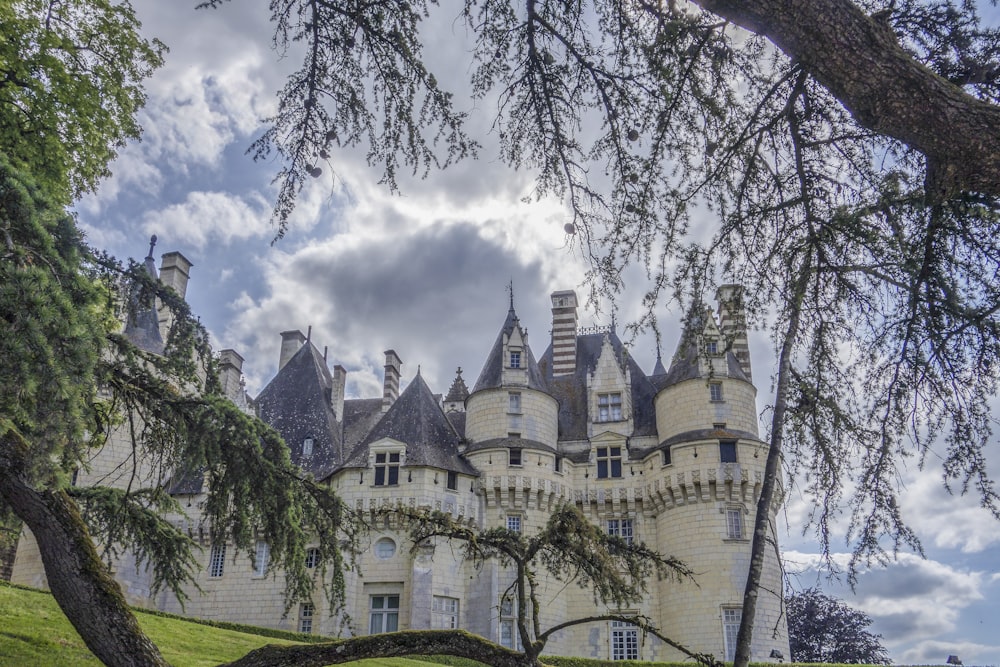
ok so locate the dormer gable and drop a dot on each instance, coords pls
(609, 394)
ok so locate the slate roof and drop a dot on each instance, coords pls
(571, 390)
(142, 327)
(416, 419)
(458, 392)
(492, 373)
(360, 416)
(685, 366)
(297, 404)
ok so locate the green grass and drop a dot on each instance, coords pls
(35, 633)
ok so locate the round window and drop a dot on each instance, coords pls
(385, 548)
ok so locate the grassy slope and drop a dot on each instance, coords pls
(35, 633)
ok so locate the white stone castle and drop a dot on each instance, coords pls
(672, 458)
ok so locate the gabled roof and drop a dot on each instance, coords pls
(492, 374)
(458, 392)
(685, 364)
(296, 402)
(416, 420)
(571, 390)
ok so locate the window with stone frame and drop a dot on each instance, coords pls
(387, 468)
(217, 560)
(452, 483)
(727, 451)
(514, 457)
(609, 407)
(444, 613)
(514, 402)
(508, 623)
(624, 641)
(306, 613)
(734, 523)
(514, 523)
(312, 557)
(731, 617)
(609, 462)
(383, 615)
(261, 557)
(715, 391)
(621, 528)
(515, 359)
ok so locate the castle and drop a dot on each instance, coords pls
(672, 458)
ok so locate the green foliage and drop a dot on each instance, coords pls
(70, 86)
(824, 629)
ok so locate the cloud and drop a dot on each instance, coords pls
(212, 216)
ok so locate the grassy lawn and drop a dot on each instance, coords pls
(35, 633)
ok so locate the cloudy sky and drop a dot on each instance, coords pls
(424, 272)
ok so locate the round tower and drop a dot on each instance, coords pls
(704, 492)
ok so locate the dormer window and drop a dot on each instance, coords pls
(307, 447)
(609, 407)
(712, 347)
(515, 359)
(387, 469)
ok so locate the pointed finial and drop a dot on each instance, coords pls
(510, 291)
(459, 371)
(152, 242)
(309, 333)
(418, 370)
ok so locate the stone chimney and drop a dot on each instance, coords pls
(733, 324)
(390, 387)
(337, 392)
(564, 332)
(230, 372)
(291, 341)
(174, 271)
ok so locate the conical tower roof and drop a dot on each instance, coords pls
(458, 392)
(142, 326)
(491, 376)
(685, 364)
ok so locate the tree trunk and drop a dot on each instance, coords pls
(79, 581)
(761, 520)
(860, 61)
(408, 642)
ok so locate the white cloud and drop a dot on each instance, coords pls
(212, 216)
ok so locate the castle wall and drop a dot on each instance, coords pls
(688, 406)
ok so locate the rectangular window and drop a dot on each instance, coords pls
(514, 523)
(260, 559)
(307, 447)
(730, 629)
(558, 464)
(217, 560)
(712, 347)
(734, 523)
(609, 407)
(609, 462)
(508, 624)
(384, 614)
(514, 457)
(715, 391)
(514, 402)
(452, 481)
(621, 528)
(727, 451)
(624, 641)
(515, 359)
(666, 456)
(312, 557)
(306, 611)
(387, 469)
(445, 613)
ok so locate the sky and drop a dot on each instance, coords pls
(425, 272)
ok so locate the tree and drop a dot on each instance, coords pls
(848, 148)
(824, 629)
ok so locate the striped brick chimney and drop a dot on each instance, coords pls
(390, 387)
(563, 333)
(733, 323)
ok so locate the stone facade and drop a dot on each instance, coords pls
(672, 459)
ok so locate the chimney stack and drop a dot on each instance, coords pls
(564, 332)
(230, 372)
(291, 342)
(733, 324)
(175, 270)
(337, 392)
(390, 391)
